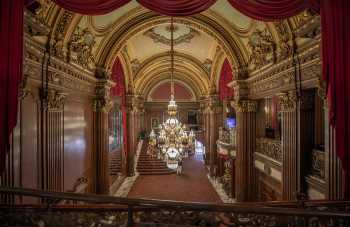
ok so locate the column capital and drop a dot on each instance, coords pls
(102, 101)
(54, 100)
(287, 101)
(245, 105)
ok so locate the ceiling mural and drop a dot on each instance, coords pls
(141, 39)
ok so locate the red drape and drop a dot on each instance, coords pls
(91, 7)
(177, 7)
(119, 90)
(166, 7)
(226, 76)
(11, 46)
(268, 10)
(336, 71)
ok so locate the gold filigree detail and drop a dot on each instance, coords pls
(80, 48)
(261, 47)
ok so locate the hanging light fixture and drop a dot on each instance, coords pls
(173, 136)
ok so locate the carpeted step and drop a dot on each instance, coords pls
(148, 165)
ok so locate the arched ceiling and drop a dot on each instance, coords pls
(141, 39)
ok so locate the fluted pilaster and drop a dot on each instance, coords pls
(245, 179)
(53, 150)
(297, 121)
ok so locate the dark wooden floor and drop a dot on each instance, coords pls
(192, 186)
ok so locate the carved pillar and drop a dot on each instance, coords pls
(245, 185)
(134, 106)
(207, 135)
(289, 145)
(214, 122)
(53, 150)
(297, 120)
(100, 157)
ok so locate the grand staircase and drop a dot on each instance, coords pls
(115, 163)
(147, 165)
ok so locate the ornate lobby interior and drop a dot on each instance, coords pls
(175, 113)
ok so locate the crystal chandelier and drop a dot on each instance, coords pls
(173, 137)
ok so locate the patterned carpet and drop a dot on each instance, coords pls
(192, 186)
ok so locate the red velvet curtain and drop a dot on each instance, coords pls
(166, 7)
(11, 46)
(119, 90)
(335, 16)
(226, 76)
(177, 7)
(91, 7)
(268, 10)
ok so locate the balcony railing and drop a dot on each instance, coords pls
(101, 210)
(270, 148)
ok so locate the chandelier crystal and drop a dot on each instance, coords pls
(173, 138)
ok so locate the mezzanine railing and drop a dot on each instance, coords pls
(100, 210)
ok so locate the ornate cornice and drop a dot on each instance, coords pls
(60, 74)
(280, 76)
(246, 106)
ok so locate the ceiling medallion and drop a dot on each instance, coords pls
(184, 34)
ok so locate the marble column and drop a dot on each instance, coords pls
(245, 179)
(297, 127)
(100, 157)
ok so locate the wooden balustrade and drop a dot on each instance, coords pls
(114, 211)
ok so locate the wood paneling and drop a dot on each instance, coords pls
(77, 142)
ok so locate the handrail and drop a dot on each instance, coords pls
(253, 208)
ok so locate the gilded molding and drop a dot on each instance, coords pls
(280, 76)
(245, 106)
(287, 101)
